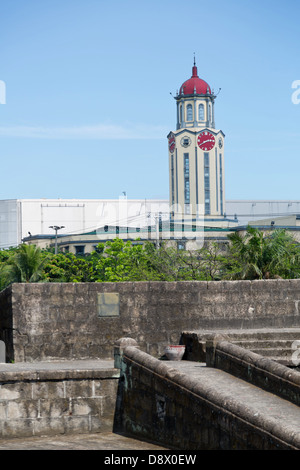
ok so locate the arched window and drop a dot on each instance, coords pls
(201, 112)
(180, 114)
(189, 112)
(209, 112)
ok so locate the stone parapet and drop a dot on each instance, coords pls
(188, 408)
(69, 321)
(260, 371)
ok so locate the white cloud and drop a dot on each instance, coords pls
(97, 131)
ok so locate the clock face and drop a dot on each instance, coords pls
(172, 143)
(206, 140)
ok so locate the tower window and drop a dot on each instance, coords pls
(172, 180)
(206, 184)
(209, 112)
(189, 112)
(186, 165)
(186, 172)
(201, 112)
(221, 183)
(217, 186)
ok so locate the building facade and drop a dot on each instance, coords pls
(27, 218)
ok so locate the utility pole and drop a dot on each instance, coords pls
(56, 228)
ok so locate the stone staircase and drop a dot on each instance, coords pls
(277, 344)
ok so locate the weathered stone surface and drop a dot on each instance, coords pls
(54, 398)
(188, 406)
(247, 365)
(53, 321)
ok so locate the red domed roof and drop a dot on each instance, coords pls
(194, 85)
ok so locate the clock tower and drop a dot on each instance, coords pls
(196, 156)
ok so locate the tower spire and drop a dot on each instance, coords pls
(195, 72)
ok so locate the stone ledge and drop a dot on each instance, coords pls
(68, 370)
(69, 397)
(206, 392)
(260, 371)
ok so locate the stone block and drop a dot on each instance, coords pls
(17, 428)
(15, 391)
(48, 389)
(83, 407)
(16, 409)
(47, 426)
(54, 408)
(2, 412)
(78, 388)
(76, 424)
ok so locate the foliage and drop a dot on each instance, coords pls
(263, 256)
(123, 261)
(4, 279)
(25, 264)
(254, 255)
(67, 268)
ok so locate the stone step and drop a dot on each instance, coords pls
(275, 352)
(264, 343)
(275, 344)
(259, 334)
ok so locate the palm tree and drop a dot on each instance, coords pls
(282, 255)
(26, 265)
(4, 276)
(262, 256)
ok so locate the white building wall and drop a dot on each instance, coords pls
(249, 210)
(18, 218)
(9, 227)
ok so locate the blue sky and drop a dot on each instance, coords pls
(88, 104)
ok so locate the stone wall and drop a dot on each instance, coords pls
(56, 401)
(50, 321)
(255, 369)
(161, 404)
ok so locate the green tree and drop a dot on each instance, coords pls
(4, 276)
(165, 263)
(67, 267)
(5, 255)
(25, 265)
(211, 262)
(117, 260)
(259, 255)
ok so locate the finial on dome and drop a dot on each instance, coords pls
(195, 72)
